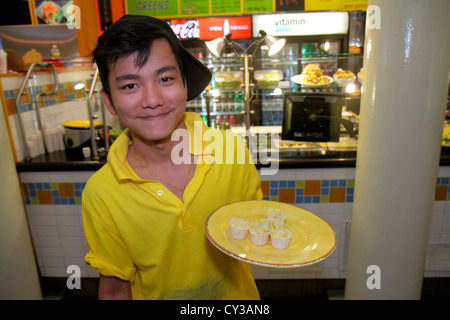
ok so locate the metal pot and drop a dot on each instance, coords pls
(77, 133)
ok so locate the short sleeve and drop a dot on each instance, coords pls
(107, 251)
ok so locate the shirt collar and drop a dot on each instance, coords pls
(117, 155)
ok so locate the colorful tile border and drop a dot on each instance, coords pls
(65, 92)
(53, 193)
(309, 191)
(287, 191)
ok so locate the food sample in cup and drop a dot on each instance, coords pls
(275, 223)
(259, 232)
(276, 214)
(238, 228)
(280, 237)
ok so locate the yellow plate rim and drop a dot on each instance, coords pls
(266, 263)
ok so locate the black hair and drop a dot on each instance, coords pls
(116, 43)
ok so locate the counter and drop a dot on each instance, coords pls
(52, 186)
(62, 161)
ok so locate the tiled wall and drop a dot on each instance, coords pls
(67, 104)
(53, 206)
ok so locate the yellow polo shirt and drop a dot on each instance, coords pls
(138, 231)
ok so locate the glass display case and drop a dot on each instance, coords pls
(310, 80)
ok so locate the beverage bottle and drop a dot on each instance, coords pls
(226, 27)
(55, 52)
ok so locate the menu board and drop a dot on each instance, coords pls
(190, 8)
(194, 7)
(225, 6)
(258, 6)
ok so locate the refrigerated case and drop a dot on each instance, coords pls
(222, 104)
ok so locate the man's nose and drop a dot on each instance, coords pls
(152, 97)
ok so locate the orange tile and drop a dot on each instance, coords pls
(44, 197)
(10, 105)
(286, 195)
(440, 193)
(70, 89)
(337, 195)
(265, 187)
(66, 190)
(61, 95)
(25, 98)
(25, 190)
(312, 187)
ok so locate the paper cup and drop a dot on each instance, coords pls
(86, 152)
(280, 242)
(275, 213)
(238, 233)
(259, 239)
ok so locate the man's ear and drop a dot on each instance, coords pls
(108, 103)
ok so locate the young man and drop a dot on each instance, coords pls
(144, 213)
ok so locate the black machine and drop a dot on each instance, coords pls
(312, 117)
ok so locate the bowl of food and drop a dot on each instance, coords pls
(268, 78)
(228, 79)
(312, 76)
(344, 77)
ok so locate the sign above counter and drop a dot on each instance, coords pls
(212, 28)
(301, 24)
(179, 8)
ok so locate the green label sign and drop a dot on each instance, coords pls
(153, 7)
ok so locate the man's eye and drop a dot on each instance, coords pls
(128, 86)
(166, 79)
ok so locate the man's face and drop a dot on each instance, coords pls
(150, 100)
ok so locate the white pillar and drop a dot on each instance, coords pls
(405, 85)
(18, 271)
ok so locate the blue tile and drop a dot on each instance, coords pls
(273, 192)
(325, 191)
(299, 192)
(31, 186)
(342, 183)
(444, 181)
(291, 184)
(325, 183)
(298, 199)
(316, 199)
(273, 184)
(308, 199)
(334, 183)
(350, 190)
(39, 186)
(283, 184)
(349, 198)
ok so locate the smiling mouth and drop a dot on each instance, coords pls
(154, 116)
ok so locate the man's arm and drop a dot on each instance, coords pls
(111, 288)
